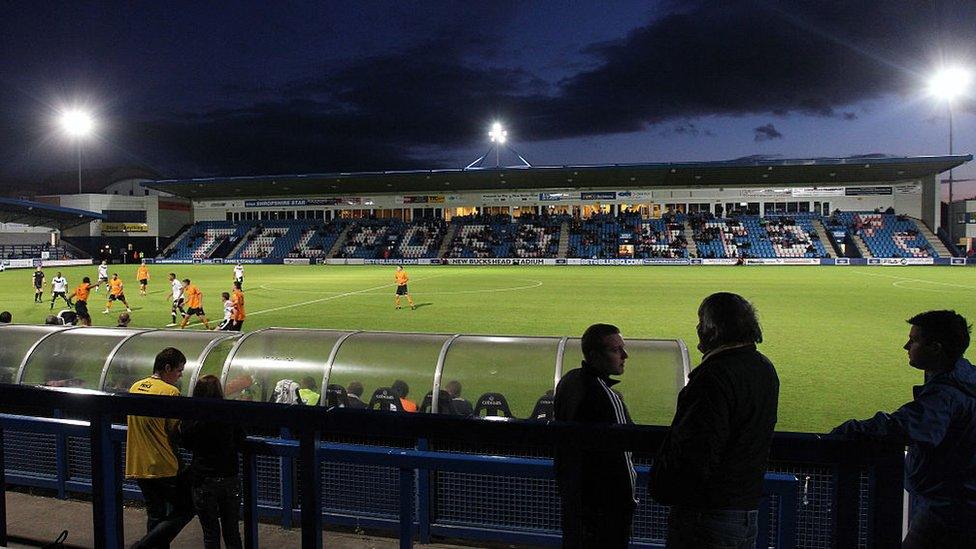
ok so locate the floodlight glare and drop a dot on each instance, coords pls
(77, 123)
(497, 133)
(950, 82)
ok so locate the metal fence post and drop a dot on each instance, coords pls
(424, 496)
(311, 479)
(287, 483)
(3, 492)
(106, 484)
(250, 482)
(406, 508)
(61, 458)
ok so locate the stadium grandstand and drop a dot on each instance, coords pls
(30, 232)
(873, 207)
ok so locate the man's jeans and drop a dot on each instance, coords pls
(169, 508)
(712, 529)
(218, 497)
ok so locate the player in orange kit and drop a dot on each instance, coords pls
(401, 288)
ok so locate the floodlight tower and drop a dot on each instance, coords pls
(499, 138)
(77, 125)
(947, 84)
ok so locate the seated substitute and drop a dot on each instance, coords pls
(939, 428)
(354, 395)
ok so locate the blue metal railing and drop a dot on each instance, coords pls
(414, 464)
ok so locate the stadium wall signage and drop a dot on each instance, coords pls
(783, 261)
(897, 261)
(866, 191)
(423, 199)
(599, 196)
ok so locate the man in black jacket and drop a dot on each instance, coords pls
(710, 467)
(596, 488)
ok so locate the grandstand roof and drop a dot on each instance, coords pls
(44, 215)
(743, 172)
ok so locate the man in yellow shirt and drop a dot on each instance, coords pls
(142, 275)
(151, 457)
(193, 298)
(401, 287)
(115, 293)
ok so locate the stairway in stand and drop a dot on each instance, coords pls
(563, 240)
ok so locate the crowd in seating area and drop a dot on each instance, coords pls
(600, 236)
(886, 234)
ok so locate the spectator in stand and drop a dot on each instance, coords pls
(213, 471)
(151, 458)
(354, 395)
(6, 317)
(596, 488)
(401, 389)
(939, 428)
(710, 467)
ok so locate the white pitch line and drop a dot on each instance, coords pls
(923, 281)
(535, 284)
(346, 294)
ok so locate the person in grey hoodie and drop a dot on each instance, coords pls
(939, 428)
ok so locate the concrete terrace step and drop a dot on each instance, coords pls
(934, 240)
(689, 236)
(340, 241)
(563, 240)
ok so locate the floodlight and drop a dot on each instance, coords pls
(497, 133)
(77, 123)
(950, 82)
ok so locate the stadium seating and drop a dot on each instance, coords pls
(482, 236)
(752, 236)
(886, 234)
(602, 236)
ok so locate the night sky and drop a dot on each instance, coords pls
(261, 88)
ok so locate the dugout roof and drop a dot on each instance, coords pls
(749, 172)
(44, 215)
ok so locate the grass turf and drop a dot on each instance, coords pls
(834, 333)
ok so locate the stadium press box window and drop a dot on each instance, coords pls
(377, 361)
(654, 374)
(17, 341)
(73, 357)
(265, 358)
(135, 357)
(503, 377)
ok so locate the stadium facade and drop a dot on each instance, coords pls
(803, 210)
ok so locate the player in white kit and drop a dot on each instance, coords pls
(102, 276)
(239, 274)
(177, 299)
(59, 288)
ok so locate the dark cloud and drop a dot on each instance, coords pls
(436, 91)
(766, 132)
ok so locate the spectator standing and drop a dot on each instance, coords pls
(710, 467)
(939, 428)
(596, 488)
(213, 471)
(151, 457)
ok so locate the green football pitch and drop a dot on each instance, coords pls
(834, 333)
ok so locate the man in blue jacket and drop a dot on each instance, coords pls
(939, 427)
